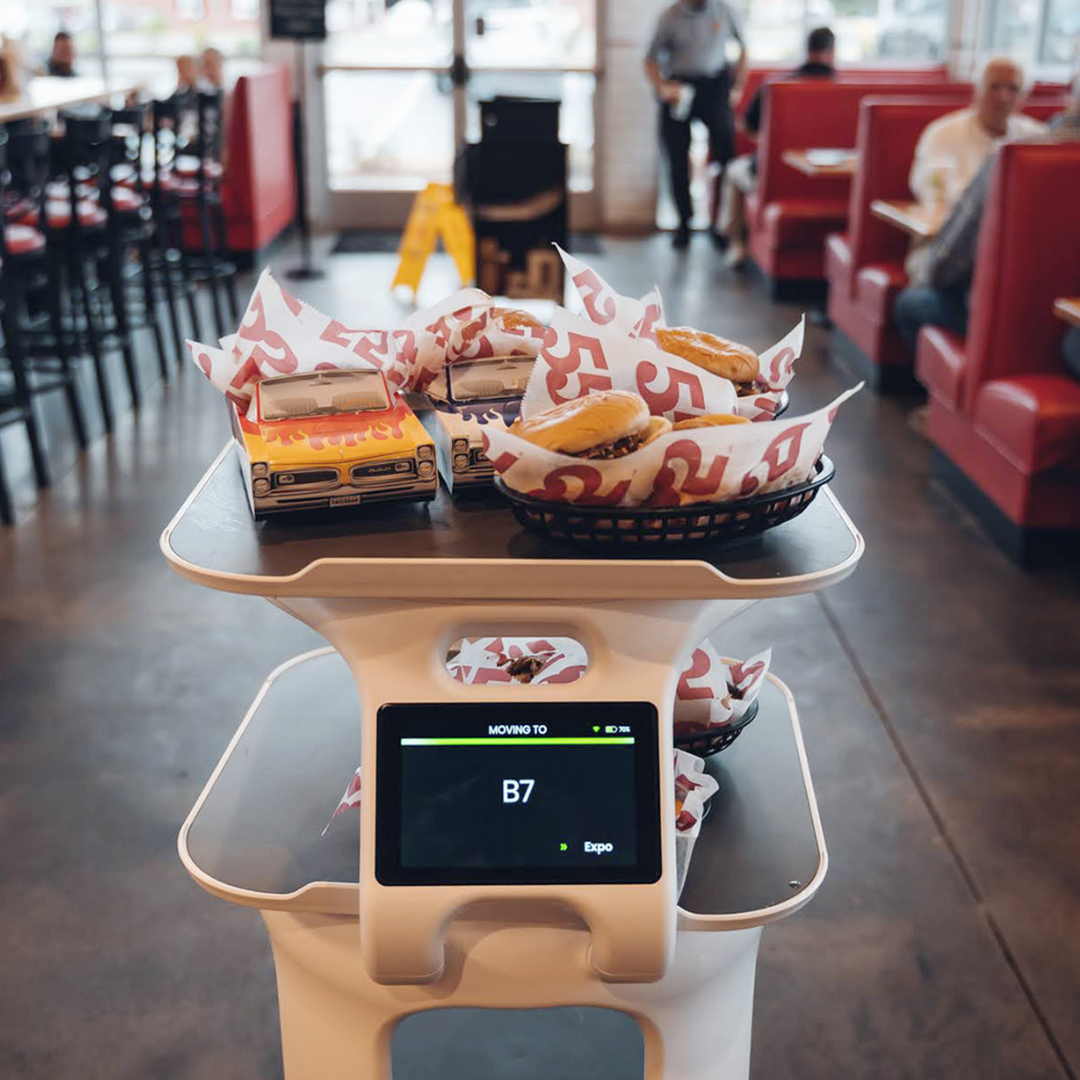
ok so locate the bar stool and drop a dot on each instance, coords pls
(79, 225)
(168, 118)
(16, 400)
(131, 179)
(198, 176)
(124, 264)
(31, 278)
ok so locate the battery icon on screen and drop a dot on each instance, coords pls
(610, 729)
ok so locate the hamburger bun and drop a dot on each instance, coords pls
(722, 357)
(590, 422)
(712, 420)
(515, 319)
(658, 425)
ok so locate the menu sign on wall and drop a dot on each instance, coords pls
(298, 20)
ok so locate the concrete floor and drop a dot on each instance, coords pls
(939, 690)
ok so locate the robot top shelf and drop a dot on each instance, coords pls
(474, 548)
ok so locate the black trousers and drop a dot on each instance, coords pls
(712, 107)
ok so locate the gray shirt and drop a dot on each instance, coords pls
(693, 41)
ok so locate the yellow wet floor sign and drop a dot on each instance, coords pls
(434, 214)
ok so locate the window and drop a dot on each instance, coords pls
(1044, 35)
(867, 31)
(189, 9)
(1014, 27)
(146, 36)
(34, 24)
(1061, 37)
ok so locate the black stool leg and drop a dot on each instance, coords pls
(188, 285)
(26, 403)
(158, 259)
(142, 245)
(71, 387)
(93, 341)
(210, 263)
(223, 255)
(7, 512)
(118, 302)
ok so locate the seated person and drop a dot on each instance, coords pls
(186, 74)
(740, 179)
(212, 69)
(61, 62)
(941, 271)
(953, 148)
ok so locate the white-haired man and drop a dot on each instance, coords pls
(953, 148)
(942, 271)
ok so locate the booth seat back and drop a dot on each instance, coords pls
(1028, 244)
(889, 128)
(1045, 107)
(1041, 89)
(259, 192)
(757, 76)
(801, 113)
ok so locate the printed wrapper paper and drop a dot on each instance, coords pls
(578, 358)
(680, 468)
(605, 307)
(465, 327)
(640, 319)
(485, 660)
(776, 367)
(694, 786)
(713, 693)
(280, 335)
(350, 799)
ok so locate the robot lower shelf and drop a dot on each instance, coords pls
(254, 837)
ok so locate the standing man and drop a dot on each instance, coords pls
(687, 64)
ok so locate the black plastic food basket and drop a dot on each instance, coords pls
(707, 743)
(649, 527)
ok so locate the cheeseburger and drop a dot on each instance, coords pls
(515, 319)
(607, 424)
(722, 357)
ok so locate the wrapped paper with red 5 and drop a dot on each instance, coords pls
(603, 306)
(680, 468)
(518, 659)
(640, 318)
(713, 693)
(694, 787)
(352, 797)
(578, 358)
(467, 326)
(776, 370)
(280, 335)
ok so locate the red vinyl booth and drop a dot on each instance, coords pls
(259, 188)
(756, 76)
(865, 264)
(790, 214)
(1004, 413)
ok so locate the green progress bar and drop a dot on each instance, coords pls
(515, 740)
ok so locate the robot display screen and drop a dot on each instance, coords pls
(476, 794)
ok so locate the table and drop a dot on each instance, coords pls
(1068, 309)
(811, 164)
(917, 220)
(44, 95)
(390, 589)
